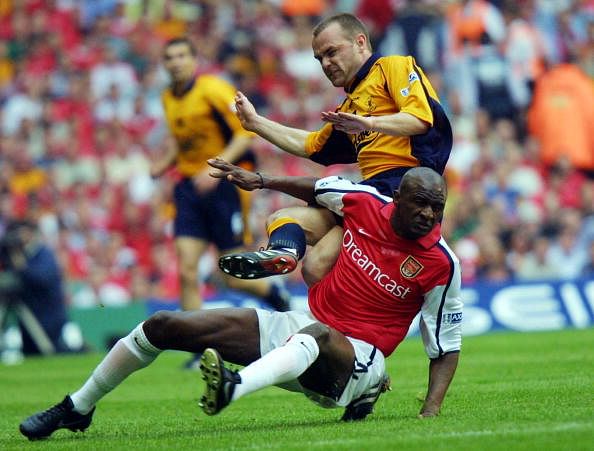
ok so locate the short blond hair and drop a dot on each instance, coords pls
(349, 23)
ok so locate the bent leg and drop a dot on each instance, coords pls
(270, 292)
(289, 231)
(330, 373)
(322, 256)
(233, 331)
(350, 372)
(315, 222)
(280, 365)
(321, 359)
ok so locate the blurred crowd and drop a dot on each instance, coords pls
(81, 119)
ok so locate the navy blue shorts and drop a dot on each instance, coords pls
(215, 217)
(386, 182)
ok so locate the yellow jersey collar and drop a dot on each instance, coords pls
(362, 73)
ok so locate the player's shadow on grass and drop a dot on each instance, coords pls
(205, 427)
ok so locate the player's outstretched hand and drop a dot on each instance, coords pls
(243, 178)
(245, 111)
(346, 122)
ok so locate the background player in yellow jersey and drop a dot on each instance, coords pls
(390, 121)
(200, 115)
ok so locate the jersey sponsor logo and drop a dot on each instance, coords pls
(364, 138)
(369, 267)
(405, 91)
(451, 318)
(410, 267)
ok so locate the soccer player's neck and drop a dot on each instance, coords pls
(181, 87)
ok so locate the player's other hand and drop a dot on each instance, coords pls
(428, 411)
(156, 171)
(243, 178)
(245, 111)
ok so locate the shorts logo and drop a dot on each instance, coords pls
(410, 267)
(451, 318)
(404, 92)
(327, 181)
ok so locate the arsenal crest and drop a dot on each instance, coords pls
(410, 267)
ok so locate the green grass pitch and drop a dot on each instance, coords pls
(512, 391)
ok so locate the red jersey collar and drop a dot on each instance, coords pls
(426, 242)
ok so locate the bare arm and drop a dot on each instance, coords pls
(236, 148)
(298, 187)
(232, 152)
(441, 372)
(167, 160)
(291, 140)
(398, 124)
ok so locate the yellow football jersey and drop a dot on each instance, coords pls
(202, 121)
(384, 86)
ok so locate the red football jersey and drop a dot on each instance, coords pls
(381, 281)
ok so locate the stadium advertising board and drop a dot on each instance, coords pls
(527, 307)
(524, 307)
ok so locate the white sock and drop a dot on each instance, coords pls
(129, 354)
(280, 365)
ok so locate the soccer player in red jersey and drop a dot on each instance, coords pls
(393, 264)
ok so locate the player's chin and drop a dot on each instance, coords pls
(336, 80)
(419, 230)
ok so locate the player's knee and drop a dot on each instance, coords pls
(310, 275)
(313, 269)
(159, 326)
(307, 346)
(320, 332)
(282, 213)
(187, 273)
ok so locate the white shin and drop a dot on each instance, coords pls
(280, 365)
(129, 354)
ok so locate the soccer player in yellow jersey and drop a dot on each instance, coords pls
(200, 116)
(390, 121)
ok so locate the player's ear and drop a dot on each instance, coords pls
(396, 195)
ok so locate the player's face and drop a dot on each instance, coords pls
(340, 56)
(418, 210)
(179, 62)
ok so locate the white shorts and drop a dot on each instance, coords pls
(277, 327)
